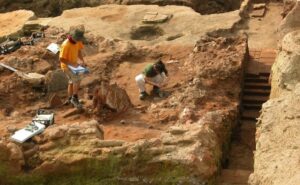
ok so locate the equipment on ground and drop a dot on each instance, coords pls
(29, 131)
(44, 117)
(42, 120)
(9, 46)
(34, 79)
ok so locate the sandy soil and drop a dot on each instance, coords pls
(263, 31)
(13, 21)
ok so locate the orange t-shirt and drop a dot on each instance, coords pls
(69, 51)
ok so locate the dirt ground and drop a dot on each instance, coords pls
(19, 101)
(263, 31)
(147, 119)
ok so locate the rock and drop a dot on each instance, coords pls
(177, 130)
(47, 146)
(285, 70)
(38, 139)
(259, 6)
(34, 79)
(56, 80)
(54, 133)
(112, 96)
(89, 81)
(71, 112)
(36, 25)
(16, 153)
(122, 121)
(42, 67)
(109, 143)
(288, 5)
(155, 17)
(55, 101)
(161, 150)
(11, 129)
(278, 134)
(186, 114)
(291, 21)
(29, 153)
(14, 28)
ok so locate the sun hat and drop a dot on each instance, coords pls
(77, 35)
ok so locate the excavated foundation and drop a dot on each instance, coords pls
(181, 138)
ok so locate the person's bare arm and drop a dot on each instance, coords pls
(80, 56)
(148, 81)
(65, 61)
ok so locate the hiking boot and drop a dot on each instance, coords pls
(157, 92)
(76, 102)
(68, 101)
(143, 95)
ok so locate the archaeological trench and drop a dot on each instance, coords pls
(230, 117)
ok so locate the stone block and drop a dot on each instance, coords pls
(55, 101)
(155, 17)
(56, 81)
(109, 143)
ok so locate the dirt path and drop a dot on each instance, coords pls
(262, 32)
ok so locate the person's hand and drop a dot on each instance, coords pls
(158, 85)
(75, 65)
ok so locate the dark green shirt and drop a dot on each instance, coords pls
(149, 71)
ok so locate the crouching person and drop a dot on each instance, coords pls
(153, 74)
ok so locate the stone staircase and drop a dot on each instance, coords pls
(255, 92)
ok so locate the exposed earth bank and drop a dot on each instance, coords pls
(44, 8)
(277, 149)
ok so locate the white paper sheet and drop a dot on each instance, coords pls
(54, 48)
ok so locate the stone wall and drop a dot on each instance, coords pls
(187, 153)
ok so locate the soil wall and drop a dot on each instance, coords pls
(45, 8)
(278, 131)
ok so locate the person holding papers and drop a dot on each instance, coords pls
(70, 52)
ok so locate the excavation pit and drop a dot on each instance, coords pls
(147, 33)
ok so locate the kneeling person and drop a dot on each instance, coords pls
(153, 74)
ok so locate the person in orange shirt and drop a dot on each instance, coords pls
(70, 52)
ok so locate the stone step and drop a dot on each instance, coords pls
(234, 177)
(257, 92)
(254, 99)
(248, 122)
(257, 75)
(252, 85)
(257, 79)
(250, 114)
(250, 106)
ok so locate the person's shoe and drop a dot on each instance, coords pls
(68, 101)
(76, 102)
(143, 95)
(157, 92)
